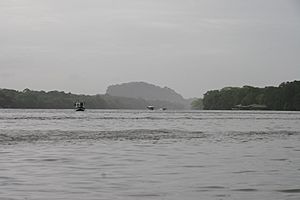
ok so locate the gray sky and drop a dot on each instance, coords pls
(192, 46)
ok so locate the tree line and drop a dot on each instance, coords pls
(284, 97)
(61, 100)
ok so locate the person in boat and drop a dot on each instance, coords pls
(79, 106)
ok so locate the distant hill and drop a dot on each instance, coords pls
(148, 92)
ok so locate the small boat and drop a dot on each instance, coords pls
(79, 106)
(150, 107)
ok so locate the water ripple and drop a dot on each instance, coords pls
(289, 190)
(246, 190)
(16, 136)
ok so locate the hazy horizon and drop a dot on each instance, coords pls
(190, 46)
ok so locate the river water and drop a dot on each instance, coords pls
(172, 155)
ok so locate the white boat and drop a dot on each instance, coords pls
(150, 107)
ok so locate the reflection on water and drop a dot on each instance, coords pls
(122, 154)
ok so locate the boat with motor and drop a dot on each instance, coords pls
(150, 107)
(153, 108)
(79, 106)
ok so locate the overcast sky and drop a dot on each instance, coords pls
(192, 46)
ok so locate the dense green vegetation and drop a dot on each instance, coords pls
(197, 104)
(61, 100)
(284, 97)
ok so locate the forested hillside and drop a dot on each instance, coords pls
(148, 92)
(284, 97)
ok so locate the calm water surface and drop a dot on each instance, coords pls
(122, 154)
